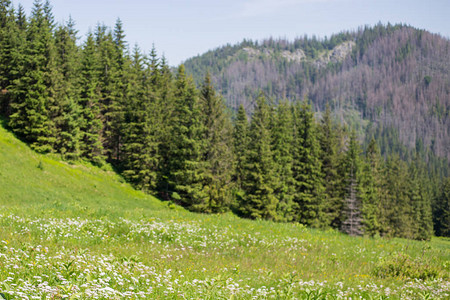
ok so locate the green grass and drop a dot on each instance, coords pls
(75, 231)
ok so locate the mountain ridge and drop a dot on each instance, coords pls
(395, 76)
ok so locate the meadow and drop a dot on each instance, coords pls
(75, 231)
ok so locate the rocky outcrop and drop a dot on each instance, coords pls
(338, 54)
(251, 52)
(296, 56)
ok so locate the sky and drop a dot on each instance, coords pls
(180, 29)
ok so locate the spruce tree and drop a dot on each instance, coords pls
(109, 76)
(187, 170)
(48, 14)
(259, 201)
(396, 204)
(420, 199)
(116, 110)
(89, 87)
(162, 83)
(217, 153)
(7, 23)
(329, 156)
(21, 19)
(307, 173)
(16, 60)
(30, 107)
(6, 13)
(12, 42)
(66, 93)
(371, 189)
(140, 156)
(441, 209)
(283, 134)
(240, 140)
(165, 86)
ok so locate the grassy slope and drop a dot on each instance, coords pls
(72, 208)
(28, 180)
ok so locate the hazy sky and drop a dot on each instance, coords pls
(184, 28)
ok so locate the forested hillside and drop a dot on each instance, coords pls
(104, 103)
(391, 82)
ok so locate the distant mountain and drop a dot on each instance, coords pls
(392, 82)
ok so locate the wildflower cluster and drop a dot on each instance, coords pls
(50, 266)
(180, 233)
(33, 272)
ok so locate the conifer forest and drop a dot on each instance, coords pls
(176, 137)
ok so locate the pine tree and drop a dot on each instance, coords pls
(259, 201)
(217, 154)
(351, 213)
(283, 133)
(308, 178)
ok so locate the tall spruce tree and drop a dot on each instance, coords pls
(396, 204)
(420, 199)
(283, 133)
(240, 140)
(12, 40)
(140, 145)
(67, 115)
(89, 87)
(7, 23)
(370, 188)
(187, 170)
(108, 78)
(329, 156)
(307, 173)
(6, 13)
(259, 201)
(118, 90)
(441, 209)
(30, 105)
(21, 19)
(217, 153)
(164, 86)
(48, 14)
